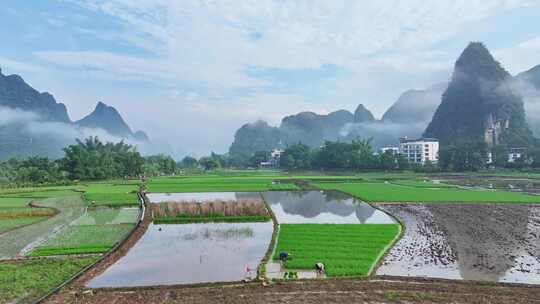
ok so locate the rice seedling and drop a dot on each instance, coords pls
(345, 249)
(25, 281)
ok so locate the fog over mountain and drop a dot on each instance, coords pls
(408, 116)
(477, 106)
(483, 102)
(527, 85)
(33, 123)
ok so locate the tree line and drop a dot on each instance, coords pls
(88, 159)
(356, 155)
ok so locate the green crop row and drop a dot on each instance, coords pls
(81, 236)
(345, 249)
(388, 192)
(81, 249)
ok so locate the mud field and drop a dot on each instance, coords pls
(481, 242)
(387, 290)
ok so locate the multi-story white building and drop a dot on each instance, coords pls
(419, 150)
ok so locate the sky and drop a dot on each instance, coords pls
(190, 73)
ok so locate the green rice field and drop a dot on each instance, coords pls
(214, 183)
(391, 192)
(345, 249)
(26, 281)
(111, 194)
(11, 223)
(83, 239)
(107, 216)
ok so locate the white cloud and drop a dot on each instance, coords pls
(195, 54)
(208, 41)
(520, 57)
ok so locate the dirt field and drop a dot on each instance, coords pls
(315, 291)
(487, 242)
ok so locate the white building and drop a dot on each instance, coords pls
(419, 150)
(515, 154)
(273, 162)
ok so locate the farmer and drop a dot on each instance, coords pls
(319, 267)
(283, 256)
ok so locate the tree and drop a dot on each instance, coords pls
(160, 164)
(500, 156)
(388, 160)
(296, 157)
(402, 162)
(189, 162)
(209, 163)
(91, 159)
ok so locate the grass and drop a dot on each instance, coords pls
(213, 183)
(218, 218)
(420, 184)
(345, 249)
(107, 216)
(83, 239)
(388, 192)
(82, 249)
(111, 194)
(12, 223)
(26, 281)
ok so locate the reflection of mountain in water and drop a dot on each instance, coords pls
(310, 204)
(486, 238)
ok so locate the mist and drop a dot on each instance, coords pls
(531, 101)
(383, 133)
(26, 133)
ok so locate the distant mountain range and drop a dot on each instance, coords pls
(408, 116)
(34, 123)
(481, 103)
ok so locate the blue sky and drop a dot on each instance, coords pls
(191, 72)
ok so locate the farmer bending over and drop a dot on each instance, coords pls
(319, 267)
(283, 256)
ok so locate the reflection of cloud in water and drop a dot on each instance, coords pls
(213, 252)
(310, 204)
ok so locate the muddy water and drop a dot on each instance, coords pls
(200, 196)
(521, 185)
(190, 253)
(484, 242)
(296, 207)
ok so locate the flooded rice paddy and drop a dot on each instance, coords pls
(190, 253)
(518, 185)
(483, 242)
(322, 207)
